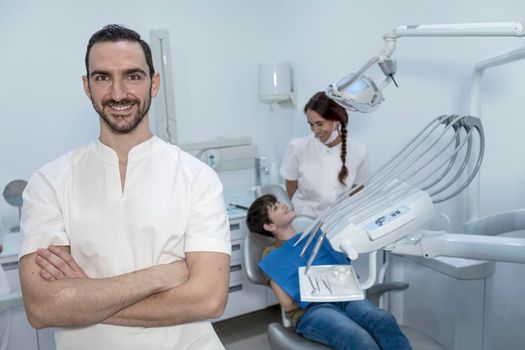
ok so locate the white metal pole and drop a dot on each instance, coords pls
(473, 191)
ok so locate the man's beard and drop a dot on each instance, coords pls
(125, 128)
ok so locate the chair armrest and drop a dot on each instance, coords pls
(277, 190)
(496, 224)
(374, 293)
(282, 338)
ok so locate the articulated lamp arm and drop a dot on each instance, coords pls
(357, 92)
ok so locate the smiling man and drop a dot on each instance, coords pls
(126, 243)
(123, 100)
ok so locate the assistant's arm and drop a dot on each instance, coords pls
(289, 169)
(203, 296)
(291, 187)
(83, 301)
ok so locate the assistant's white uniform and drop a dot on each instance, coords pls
(316, 166)
(172, 203)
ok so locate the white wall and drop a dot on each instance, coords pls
(44, 113)
(216, 46)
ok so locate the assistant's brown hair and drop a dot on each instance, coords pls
(329, 109)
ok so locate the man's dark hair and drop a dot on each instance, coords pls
(259, 214)
(115, 33)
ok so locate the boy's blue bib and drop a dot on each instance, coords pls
(282, 264)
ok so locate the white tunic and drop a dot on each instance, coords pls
(172, 203)
(315, 167)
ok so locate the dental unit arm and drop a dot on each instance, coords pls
(357, 92)
(393, 204)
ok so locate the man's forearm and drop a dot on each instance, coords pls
(80, 302)
(164, 309)
(203, 296)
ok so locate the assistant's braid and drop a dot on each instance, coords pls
(343, 173)
(329, 109)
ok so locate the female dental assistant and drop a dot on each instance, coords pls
(318, 167)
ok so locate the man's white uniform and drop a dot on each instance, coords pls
(171, 204)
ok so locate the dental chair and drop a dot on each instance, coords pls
(282, 336)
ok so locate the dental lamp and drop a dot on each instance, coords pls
(388, 211)
(359, 93)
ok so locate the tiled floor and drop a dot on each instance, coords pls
(247, 331)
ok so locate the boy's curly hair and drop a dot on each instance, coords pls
(258, 214)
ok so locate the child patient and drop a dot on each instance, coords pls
(341, 325)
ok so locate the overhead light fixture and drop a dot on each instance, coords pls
(360, 93)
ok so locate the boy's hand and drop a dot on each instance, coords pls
(57, 264)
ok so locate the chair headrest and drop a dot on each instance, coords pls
(277, 190)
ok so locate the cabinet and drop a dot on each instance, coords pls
(18, 331)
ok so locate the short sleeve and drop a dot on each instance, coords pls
(363, 168)
(290, 165)
(208, 228)
(42, 222)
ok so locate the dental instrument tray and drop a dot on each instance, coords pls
(327, 283)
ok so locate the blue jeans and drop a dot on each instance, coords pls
(356, 325)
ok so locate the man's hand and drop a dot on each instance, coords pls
(57, 264)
